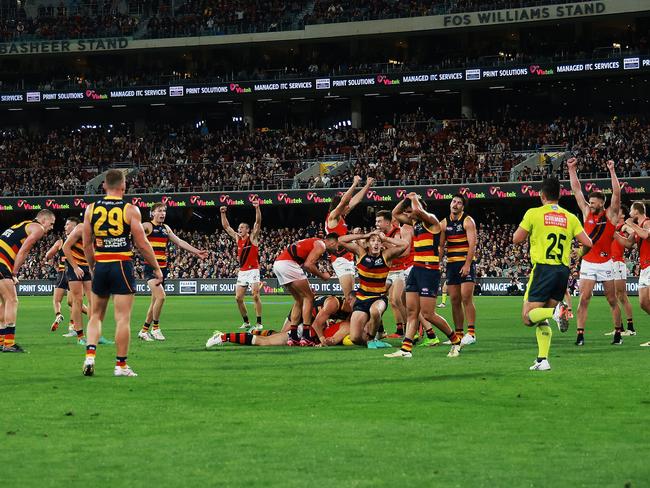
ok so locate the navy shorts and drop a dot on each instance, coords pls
(70, 276)
(364, 305)
(148, 273)
(61, 281)
(423, 281)
(453, 273)
(114, 278)
(5, 273)
(546, 282)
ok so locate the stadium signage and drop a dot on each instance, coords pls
(225, 286)
(342, 85)
(631, 187)
(64, 46)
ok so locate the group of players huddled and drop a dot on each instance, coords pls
(397, 263)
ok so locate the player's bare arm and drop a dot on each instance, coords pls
(87, 236)
(398, 212)
(35, 231)
(394, 249)
(226, 225)
(75, 236)
(358, 197)
(134, 219)
(421, 214)
(520, 235)
(345, 200)
(257, 226)
(349, 242)
(329, 307)
(642, 231)
(312, 260)
(51, 253)
(183, 244)
(572, 165)
(626, 242)
(615, 204)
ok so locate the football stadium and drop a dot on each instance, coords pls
(244, 242)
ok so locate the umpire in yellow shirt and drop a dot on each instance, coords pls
(551, 230)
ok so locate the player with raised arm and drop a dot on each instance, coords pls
(249, 265)
(109, 225)
(78, 275)
(600, 224)
(373, 265)
(396, 281)
(459, 234)
(423, 280)
(340, 207)
(159, 235)
(289, 268)
(551, 230)
(15, 244)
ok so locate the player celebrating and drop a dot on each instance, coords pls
(551, 229)
(397, 275)
(288, 267)
(15, 244)
(600, 225)
(249, 264)
(424, 278)
(78, 275)
(342, 260)
(108, 227)
(459, 233)
(373, 266)
(159, 234)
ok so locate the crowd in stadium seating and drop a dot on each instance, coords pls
(426, 152)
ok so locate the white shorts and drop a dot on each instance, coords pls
(620, 270)
(288, 272)
(598, 272)
(250, 277)
(343, 267)
(398, 274)
(644, 278)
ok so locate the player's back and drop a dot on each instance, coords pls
(552, 229)
(111, 230)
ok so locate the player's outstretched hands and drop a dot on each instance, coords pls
(256, 204)
(610, 165)
(203, 254)
(370, 181)
(412, 195)
(223, 209)
(572, 163)
(356, 180)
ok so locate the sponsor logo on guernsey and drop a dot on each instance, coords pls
(555, 219)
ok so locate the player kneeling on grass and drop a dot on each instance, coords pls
(373, 266)
(551, 230)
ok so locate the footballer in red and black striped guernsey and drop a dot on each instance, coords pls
(373, 266)
(15, 244)
(159, 235)
(424, 278)
(248, 242)
(459, 234)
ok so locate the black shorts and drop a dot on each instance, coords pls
(546, 282)
(423, 281)
(70, 276)
(114, 278)
(148, 273)
(61, 281)
(5, 273)
(453, 273)
(364, 305)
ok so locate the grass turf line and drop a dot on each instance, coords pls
(248, 416)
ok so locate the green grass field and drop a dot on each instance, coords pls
(249, 416)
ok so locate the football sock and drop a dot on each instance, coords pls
(544, 334)
(293, 333)
(3, 331)
(259, 320)
(10, 335)
(243, 338)
(471, 329)
(120, 361)
(80, 333)
(400, 328)
(455, 338)
(460, 333)
(245, 317)
(431, 334)
(91, 351)
(263, 332)
(307, 331)
(156, 325)
(145, 327)
(444, 299)
(407, 345)
(581, 331)
(537, 315)
(630, 324)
